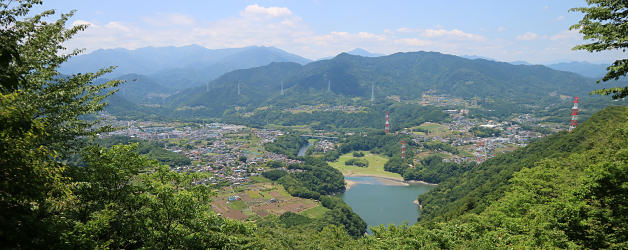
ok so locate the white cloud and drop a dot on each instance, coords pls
(560, 18)
(572, 35)
(404, 30)
(82, 22)
(256, 25)
(454, 33)
(413, 42)
(280, 27)
(269, 26)
(367, 35)
(256, 10)
(527, 36)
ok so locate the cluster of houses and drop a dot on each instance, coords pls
(511, 136)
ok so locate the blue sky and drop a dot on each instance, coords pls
(533, 31)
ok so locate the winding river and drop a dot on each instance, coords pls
(379, 202)
(303, 149)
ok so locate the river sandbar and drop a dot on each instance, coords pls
(349, 183)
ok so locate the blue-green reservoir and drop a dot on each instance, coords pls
(380, 201)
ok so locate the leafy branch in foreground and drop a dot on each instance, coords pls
(604, 22)
(41, 112)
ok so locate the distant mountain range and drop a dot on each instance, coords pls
(587, 69)
(178, 68)
(406, 75)
(205, 82)
(357, 52)
(596, 71)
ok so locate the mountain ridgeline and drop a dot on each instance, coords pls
(406, 75)
(177, 68)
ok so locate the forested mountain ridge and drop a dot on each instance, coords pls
(407, 75)
(141, 89)
(178, 67)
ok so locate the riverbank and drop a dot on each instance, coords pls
(422, 182)
(349, 184)
(418, 204)
(386, 180)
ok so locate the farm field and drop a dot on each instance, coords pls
(262, 199)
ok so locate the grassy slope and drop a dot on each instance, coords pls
(375, 168)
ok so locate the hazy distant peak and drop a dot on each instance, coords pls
(363, 52)
(520, 63)
(193, 64)
(473, 57)
(582, 68)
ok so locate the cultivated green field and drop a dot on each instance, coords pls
(375, 168)
(315, 212)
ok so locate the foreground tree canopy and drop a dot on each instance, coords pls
(604, 22)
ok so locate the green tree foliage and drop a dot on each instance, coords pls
(124, 200)
(341, 214)
(378, 143)
(290, 219)
(357, 162)
(326, 237)
(440, 146)
(397, 165)
(288, 144)
(275, 164)
(358, 154)
(485, 132)
(604, 22)
(274, 174)
(40, 112)
(434, 170)
(317, 179)
(154, 150)
(118, 199)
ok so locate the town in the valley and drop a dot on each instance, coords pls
(234, 153)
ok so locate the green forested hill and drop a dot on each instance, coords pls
(477, 188)
(406, 75)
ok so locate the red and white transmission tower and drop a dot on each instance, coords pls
(482, 151)
(574, 114)
(387, 128)
(403, 149)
